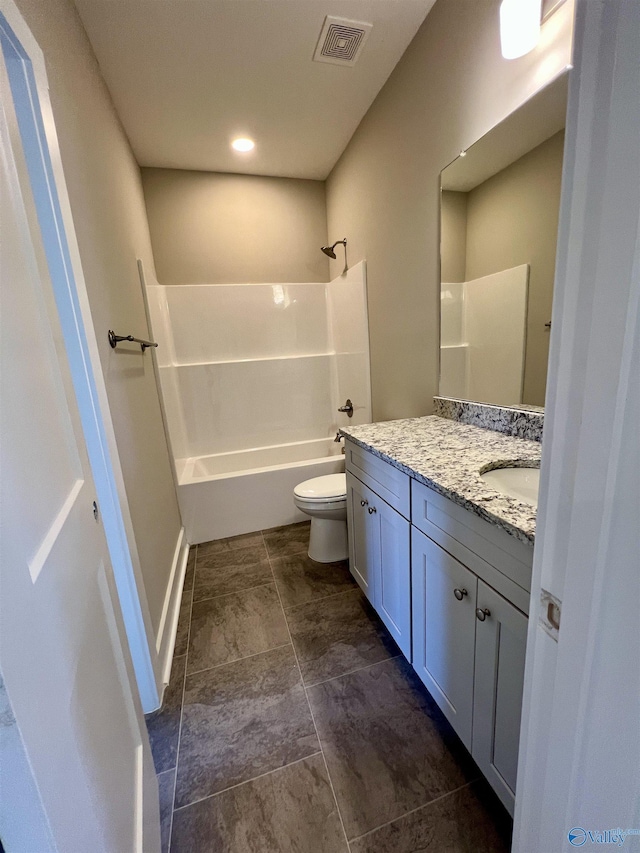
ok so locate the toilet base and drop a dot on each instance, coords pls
(328, 541)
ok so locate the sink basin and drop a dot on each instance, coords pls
(519, 483)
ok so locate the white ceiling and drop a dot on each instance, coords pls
(187, 76)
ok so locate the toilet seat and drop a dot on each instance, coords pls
(331, 488)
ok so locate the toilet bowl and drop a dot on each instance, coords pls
(325, 500)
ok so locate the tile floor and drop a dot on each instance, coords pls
(292, 723)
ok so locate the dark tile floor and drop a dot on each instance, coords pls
(292, 724)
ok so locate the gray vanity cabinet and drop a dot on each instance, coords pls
(361, 540)
(392, 597)
(469, 645)
(444, 602)
(469, 650)
(380, 558)
(501, 641)
(453, 590)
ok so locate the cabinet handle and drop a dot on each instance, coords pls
(482, 613)
(372, 509)
(364, 503)
(460, 593)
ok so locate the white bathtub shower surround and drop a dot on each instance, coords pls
(252, 376)
(231, 493)
(240, 405)
(483, 337)
(213, 324)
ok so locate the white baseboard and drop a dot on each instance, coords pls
(166, 640)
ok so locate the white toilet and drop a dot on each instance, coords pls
(325, 500)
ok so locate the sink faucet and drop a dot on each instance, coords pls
(347, 408)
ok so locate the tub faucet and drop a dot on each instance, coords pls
(337, 438)
(347, 408)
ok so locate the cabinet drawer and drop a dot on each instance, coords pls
(391, 484)
(486, 549)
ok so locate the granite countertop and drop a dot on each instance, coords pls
(448, 457)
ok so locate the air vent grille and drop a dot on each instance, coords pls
(341, 41)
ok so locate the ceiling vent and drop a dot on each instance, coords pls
(341, 41)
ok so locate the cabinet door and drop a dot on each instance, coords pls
(444, 602)
(362, 544)
(501, 640)
(392, 584)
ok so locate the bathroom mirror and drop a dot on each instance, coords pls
(498, 231)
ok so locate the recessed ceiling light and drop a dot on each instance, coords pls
(243, 144)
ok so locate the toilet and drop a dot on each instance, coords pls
(325, 500)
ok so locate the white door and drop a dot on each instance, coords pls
(62, 656)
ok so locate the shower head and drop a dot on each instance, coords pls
(329, 250)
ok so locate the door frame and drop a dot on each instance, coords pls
(580, 739)
(27, 74)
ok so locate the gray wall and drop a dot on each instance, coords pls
(212, 228)
(453, 236)
(105, 191)
(512, 219)
(450, 87)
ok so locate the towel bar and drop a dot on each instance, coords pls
(114, 340)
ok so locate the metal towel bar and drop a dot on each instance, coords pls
(114, 340)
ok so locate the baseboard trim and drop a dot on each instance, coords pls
(168, 629)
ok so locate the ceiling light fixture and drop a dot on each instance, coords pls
(243, 144)
(519, 26)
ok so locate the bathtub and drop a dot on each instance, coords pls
(226, 494)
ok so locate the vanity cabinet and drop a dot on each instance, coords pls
(379, 555)
(501, 641)
(469, 649)
(444, 605)
(453, 590)
(361, 539)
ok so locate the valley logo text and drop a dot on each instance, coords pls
(579, 836)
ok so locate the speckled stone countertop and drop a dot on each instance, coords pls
(449, 457)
